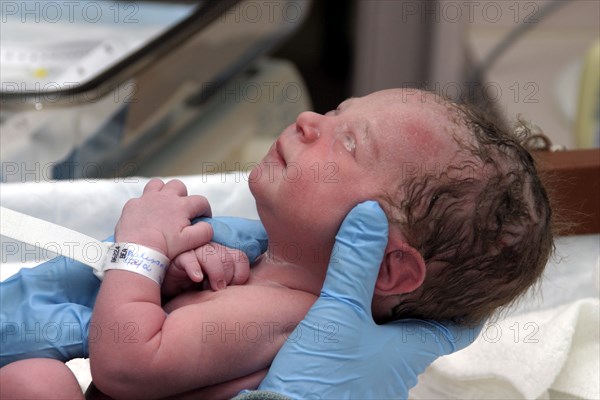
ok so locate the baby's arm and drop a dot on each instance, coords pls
(140, 351)
(235, 333)
(220, 265)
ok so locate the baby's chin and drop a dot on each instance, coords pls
(260, 176)
(253, 178)
(254, 181)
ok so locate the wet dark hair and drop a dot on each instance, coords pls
(483, 227)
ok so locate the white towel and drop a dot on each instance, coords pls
(546, 354)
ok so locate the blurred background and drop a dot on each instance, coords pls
(96, 89)
(356, 47)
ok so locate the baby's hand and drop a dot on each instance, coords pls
(161, 219)
(221, 265)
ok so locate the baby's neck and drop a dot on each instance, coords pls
(297, 275)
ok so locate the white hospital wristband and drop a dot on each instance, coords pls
(139, 259)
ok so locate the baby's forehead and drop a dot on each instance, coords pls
(394, 98)
(429, 113)
(408, 95)
(419, 110)
(431, 106)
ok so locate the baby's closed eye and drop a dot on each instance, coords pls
(349, 142)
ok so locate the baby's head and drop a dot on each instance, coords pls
(482, 225)
(469, 218)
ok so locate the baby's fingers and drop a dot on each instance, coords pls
(189, 238)
(241, 267)
(189, 263)
(182, 274)
(216, 265)
(233, 263)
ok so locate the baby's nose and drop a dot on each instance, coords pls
(308, 124)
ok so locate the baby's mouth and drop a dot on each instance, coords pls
(280, 153)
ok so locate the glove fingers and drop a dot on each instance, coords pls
(357, 255)
(432, 339)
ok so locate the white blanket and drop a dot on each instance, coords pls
(539, 355)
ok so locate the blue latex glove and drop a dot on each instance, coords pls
(46, 311)
(337, 351)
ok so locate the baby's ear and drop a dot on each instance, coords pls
(402, 269)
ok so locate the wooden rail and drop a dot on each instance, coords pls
(574, 187)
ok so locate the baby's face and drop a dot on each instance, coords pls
(323, 165)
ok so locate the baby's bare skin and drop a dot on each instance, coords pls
(287, 307)
(38, 378)
(271, 335)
